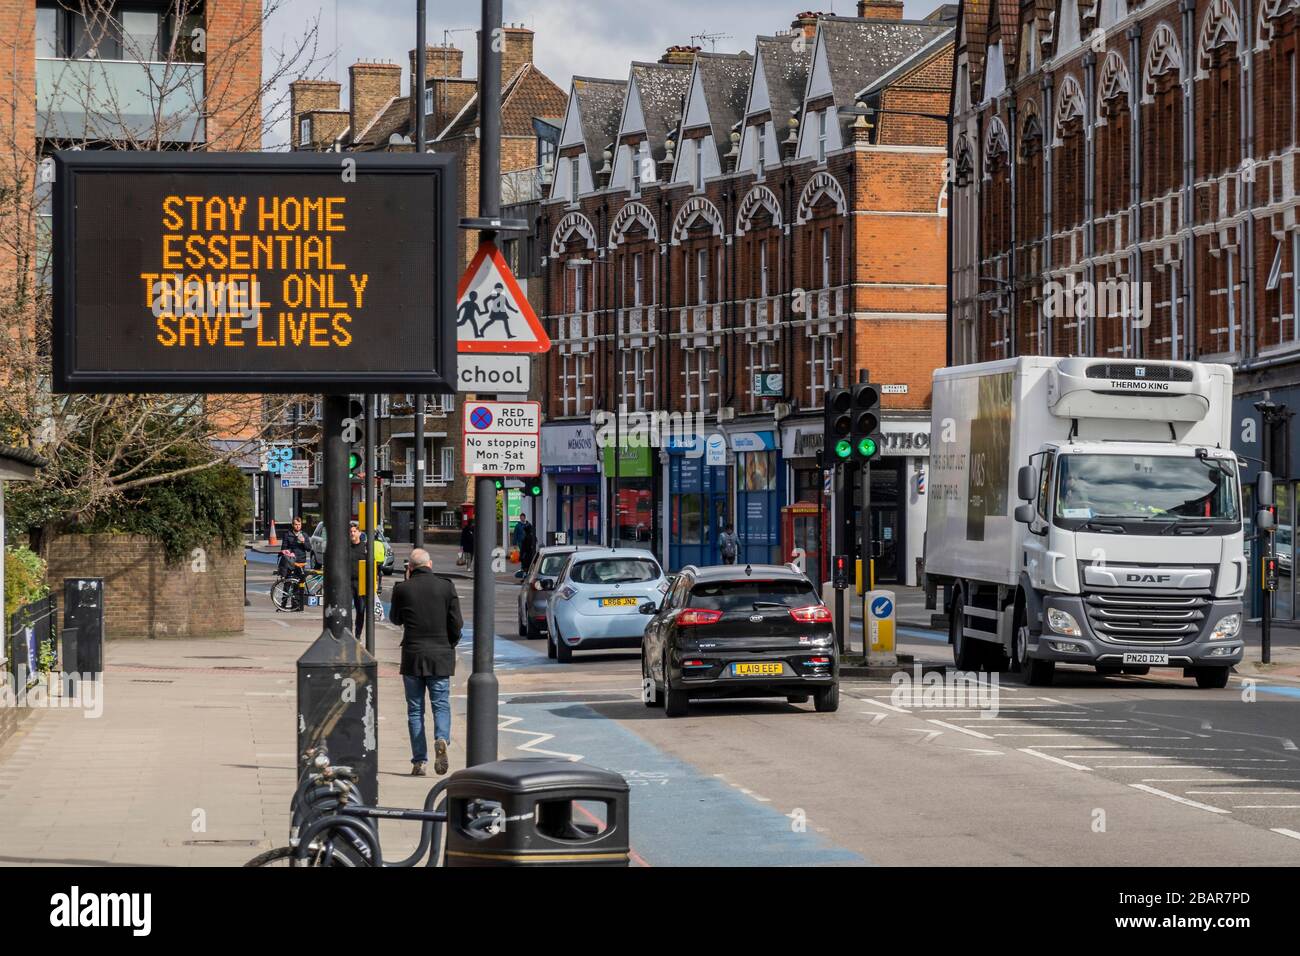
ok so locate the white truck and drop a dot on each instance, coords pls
(1087, 511)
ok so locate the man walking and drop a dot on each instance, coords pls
(357, 552)
(729, 545)
(467, 542)
(428, 610)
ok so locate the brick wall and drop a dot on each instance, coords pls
(233, 75)
(144, 597)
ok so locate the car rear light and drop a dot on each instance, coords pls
(694, 616)
(812, 614)
(694, 663)
(819, 661)
(567, 592)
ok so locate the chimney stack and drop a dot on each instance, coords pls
(307, 96)
(806, 23)
(515, 52)
(372, 86)
(439, 61)
(880, 9)
(675, 55)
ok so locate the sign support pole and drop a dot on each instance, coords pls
(482, 705)
(417, 95)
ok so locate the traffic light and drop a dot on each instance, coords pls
(499, 484)
(837, 441)
(354, 464)
(865, 436)
(532, 487)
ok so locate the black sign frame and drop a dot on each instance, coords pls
(69, 378)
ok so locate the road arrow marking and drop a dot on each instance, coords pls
(985, 753)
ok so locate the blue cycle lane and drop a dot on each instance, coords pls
(680, 815)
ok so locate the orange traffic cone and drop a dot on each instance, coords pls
(273, 540)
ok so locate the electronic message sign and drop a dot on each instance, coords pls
(270, 272)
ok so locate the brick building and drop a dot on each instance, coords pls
(380, 115)
(715, 217)
(1143, 153)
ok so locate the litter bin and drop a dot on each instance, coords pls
(537, 811)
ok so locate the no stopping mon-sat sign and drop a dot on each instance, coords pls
(503, 439)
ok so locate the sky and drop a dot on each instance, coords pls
(574, 37)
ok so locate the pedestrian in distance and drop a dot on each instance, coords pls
(358, 550)
(527, 549)
(293, 557)
(427, 609)
(498, 308)
(467, 544)
(729, 544)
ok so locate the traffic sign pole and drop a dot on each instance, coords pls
(481, 717)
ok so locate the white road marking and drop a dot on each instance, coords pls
(1177, 799)
(1266, 806)
(1064, 763)
(538, 738)
(985, 753)
(960, 730)
(1238, 793)
(897, 710)
(1209, 779)
(875, 718)
(1285, 832)
(929, 734)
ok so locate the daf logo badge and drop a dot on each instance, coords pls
(1149, 578)
(755, 619)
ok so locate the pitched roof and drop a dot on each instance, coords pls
(662, 88)
(975, 18)
(395, 117)
(785, 70)
(600, 103)
(910, 62)
(724, 78)
(858, 52)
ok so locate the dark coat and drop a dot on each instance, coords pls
(297, 542)
(427, 607)
(356, 554)
(467, 538)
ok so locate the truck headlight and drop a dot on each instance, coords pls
(1229, 626)
(1063, 622)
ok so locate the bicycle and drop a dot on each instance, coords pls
(330, 826)
(289, 592)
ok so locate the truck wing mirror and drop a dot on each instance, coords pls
(1025, 513)
(1264, 489)
(1264, 519)
(1027, 483)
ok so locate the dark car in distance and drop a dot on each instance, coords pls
(533, 594)
(739, 631)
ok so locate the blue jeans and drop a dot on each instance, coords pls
(440, 699)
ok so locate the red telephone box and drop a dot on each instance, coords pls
(805, 526)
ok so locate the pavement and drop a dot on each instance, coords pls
(192, 760)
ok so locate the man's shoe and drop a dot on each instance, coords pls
(440, 756)
(418, 769)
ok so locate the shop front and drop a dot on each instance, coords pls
(760, 493)
(699, 504)
(629, 489)
(898, 502)
(570, 485)
(1248, 441)
(808, 505)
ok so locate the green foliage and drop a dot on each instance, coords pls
(24, 579)
(194, 510)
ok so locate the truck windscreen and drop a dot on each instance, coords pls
(1138, 487)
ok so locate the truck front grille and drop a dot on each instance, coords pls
(1146, 618)
(1152, 373)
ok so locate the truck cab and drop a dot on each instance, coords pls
(1133, 558)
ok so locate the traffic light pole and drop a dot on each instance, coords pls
(482, 704)
(371, 523)
(417, 96)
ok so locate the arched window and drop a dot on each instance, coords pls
(1029, 232)
(993, 331)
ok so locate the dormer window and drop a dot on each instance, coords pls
(761, 129)
(573, 178)
(634, 154)
(699, 165)
(821, 134)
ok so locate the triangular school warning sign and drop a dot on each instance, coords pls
(492, 312)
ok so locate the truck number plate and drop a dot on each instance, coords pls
(1146, 658)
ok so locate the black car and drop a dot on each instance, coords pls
(754, 631)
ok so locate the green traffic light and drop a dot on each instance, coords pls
(844, 448)
(867, 447)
